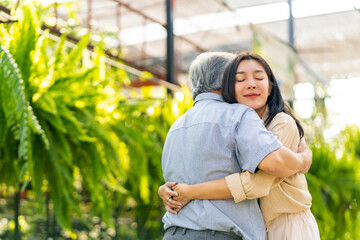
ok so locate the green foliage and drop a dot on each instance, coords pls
(68, 130)
(334, 183)
(71, 133)
(351, 140)
(17, 117)
(20, 46)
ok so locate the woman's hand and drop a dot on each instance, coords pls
(167, 194)
(184, 193)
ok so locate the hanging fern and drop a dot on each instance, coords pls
(18, 112)
(54, 114)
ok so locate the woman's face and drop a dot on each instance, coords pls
(252, 85)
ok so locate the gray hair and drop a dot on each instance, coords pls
(207, 70)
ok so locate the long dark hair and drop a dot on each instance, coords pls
(274, 102)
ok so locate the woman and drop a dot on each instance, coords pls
(285, 203)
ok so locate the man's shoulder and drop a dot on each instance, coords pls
(229, 107)
(216, 113)
(179, 120)
(235, 111)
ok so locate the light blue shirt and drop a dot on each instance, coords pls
(212, 140)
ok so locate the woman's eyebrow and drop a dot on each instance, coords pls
(257, 71)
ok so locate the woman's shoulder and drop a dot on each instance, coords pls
(281, 116)
(284, 127)
(283, 120)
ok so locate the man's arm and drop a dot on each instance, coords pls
(215, 189)
(258, 148)
(283, 162)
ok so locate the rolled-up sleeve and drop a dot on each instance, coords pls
(250, 186)
(258, 185)
(234, 184)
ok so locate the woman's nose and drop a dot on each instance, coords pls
(251, 83)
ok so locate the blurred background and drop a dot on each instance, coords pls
(89, 89)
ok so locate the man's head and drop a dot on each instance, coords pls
(207, 70)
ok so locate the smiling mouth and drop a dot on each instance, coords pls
(252, 95)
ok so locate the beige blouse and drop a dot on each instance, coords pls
(277, 195)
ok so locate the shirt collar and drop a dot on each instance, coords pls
(208, 96)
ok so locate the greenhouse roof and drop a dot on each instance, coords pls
(326, 32)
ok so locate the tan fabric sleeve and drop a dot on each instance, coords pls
(259, 184)
(250, 186)
(284, 128)
(234, 184)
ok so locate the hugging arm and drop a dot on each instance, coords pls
(285, 161)
(177, 196)
(245, 185)
(259, 185)
(238, 186)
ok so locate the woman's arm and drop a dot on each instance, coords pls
(175, 196)
(239, 186)
(216, 189)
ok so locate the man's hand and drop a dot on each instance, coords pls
(305, 150)
(166, 194)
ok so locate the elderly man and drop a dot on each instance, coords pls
(212, 140)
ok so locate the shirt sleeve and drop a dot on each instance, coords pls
(235, 186)
(248, 185)
(253, 141)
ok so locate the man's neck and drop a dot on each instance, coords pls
(216, 91)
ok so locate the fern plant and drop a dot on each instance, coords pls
(47, 132)
(70, 131)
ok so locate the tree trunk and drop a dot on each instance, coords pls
(47, 203)
(117, 226)
(17, 234)
(54, 234)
